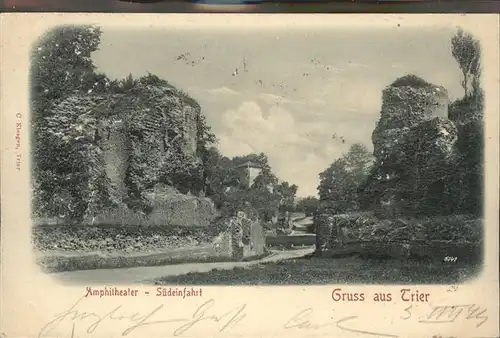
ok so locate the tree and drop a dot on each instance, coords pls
(471, 164)
(308, 205)
(128, 83)
(61, 61)
(340, 183)
(465, 186)
(286, 194)
(152, 80)
(333, 187)
(205, 139)
(266, 180)
(358, 161)
(62, 66)
(266, 202)
(260, 159)
(263, 195)
(466, 50)
(411, 80)
(219, 175)
(267, 194)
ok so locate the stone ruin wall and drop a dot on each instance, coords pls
(191, 130)
(116, 157)
(325, 230)
(406, 106)
(242, 236)
(440, 103)
(184, 212)
(416, 116)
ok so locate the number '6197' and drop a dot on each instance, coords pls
(449, 259)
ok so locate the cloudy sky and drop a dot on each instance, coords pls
(285, 92)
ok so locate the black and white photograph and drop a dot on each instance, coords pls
(277, 156)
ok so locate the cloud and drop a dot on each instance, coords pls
(294, 149)
(318, 102)
(305, 174)
(270, 98)
(293, 120)
(357, 65)
(323, 67)
(273, 99)
(228, 95)
(232, 146)
(294, 132)
(213, 94)
(222, 91)
(354, 94)
(249, 123)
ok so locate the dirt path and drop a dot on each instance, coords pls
(144, 275)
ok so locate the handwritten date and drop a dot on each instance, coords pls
(304, 319)
(450, 313)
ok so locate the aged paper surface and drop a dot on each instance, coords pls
(249, 175)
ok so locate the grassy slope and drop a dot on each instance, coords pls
(345, 270)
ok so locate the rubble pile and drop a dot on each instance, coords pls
(116, 239)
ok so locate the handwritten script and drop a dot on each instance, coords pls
(303, 320)
(134, 320)
(222, 319)
(437, 315)
(450, 313)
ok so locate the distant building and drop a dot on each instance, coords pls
(247, 172)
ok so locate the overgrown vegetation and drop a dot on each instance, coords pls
(421, 167)
(339, 188)
(62, 66)
(75, 110)
(308, 205)
(267, 194)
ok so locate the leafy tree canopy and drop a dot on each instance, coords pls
(308, 205)
(62, 63)
(340, 183)
(467, 52)
(412, 81)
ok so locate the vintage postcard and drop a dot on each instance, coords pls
(249, 175)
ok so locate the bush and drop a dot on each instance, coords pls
(412, 81)
(366, 227)
(110, 238)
